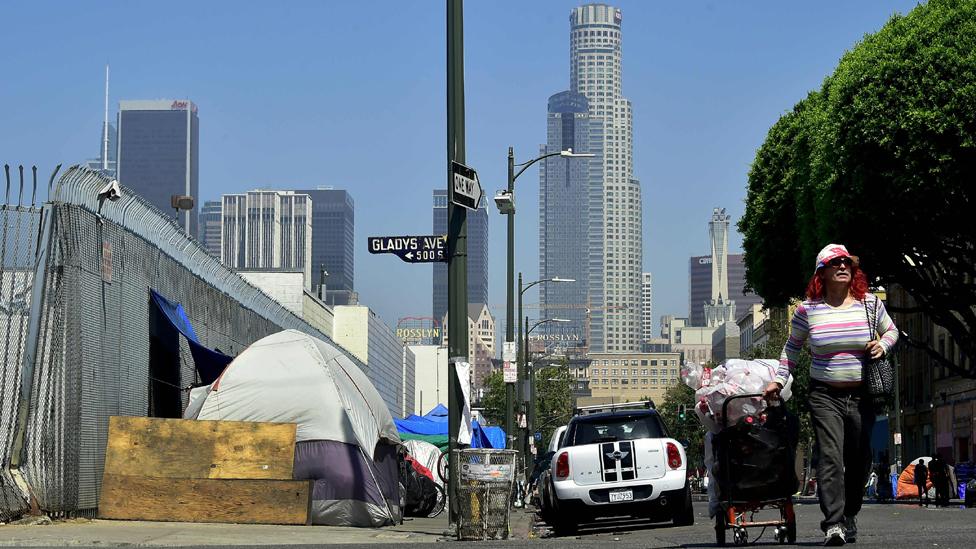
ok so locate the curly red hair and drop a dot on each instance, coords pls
(859, 284)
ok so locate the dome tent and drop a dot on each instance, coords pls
(346, 438)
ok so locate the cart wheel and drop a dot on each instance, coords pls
(791, 532)
(720, 530)
(781, 534)
(740, 536)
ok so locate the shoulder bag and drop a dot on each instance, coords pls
(879, 373)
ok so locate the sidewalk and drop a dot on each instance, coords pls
(111, 533)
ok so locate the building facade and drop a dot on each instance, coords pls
(409, 382)
(481, 345)
(614, 214)
(477, 255)
(209, 226)
(333, 243)
(625, 377)
(267, 230)
(288, 288)
(158, 153)
(720, 308)
(361, 332)
(566, 186)
(430, 385)
(700, 287)
(647, 309)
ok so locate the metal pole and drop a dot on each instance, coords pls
(457, 279)
(510, 301)
(898, 447)
(523, 375)
(521, 349)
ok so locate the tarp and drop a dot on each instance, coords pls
(434, 424)
(346, 435)
(209, 363)
(907, 489)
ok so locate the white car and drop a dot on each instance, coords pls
(616, 463)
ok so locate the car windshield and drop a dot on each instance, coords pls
(614, 428)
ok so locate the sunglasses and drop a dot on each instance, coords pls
(838, 261)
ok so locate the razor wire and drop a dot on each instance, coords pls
(92, 356)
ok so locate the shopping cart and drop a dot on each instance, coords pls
(754, 469)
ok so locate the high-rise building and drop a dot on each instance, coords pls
(700, 287)
(209, 226)
(720, 308)
(647, 313)
(158, 153)
(107, 144)
(614, 213)
(333, 243)
(566, 186)
(267, 230)
(477, 255)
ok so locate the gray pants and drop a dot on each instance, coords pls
(842, 422)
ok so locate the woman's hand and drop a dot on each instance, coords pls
(874, 349)
(771, 393)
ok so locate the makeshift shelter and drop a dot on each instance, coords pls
(906, 481)
(346, 438)
(426, 454)
(432, 428)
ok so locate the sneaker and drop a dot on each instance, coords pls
(835, 536)
(850, 529)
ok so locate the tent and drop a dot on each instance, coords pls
(346, 438)
(906, 482)
(432, 428)
(426, 454)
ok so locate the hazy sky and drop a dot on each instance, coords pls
(352, 95)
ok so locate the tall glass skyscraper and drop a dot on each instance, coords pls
(333, 241)
(159, 152)
(210, 223)
(613, 222)
(477, 256)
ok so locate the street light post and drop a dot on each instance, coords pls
(530, 417)
(505, 200)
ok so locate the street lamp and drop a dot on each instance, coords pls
(505, 201)
(530, 416)
(522, 346)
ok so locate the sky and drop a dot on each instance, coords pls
(352, 95)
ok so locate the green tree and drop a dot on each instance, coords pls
(882, 158)
(554, 399)
(493, 401)
(688, 430)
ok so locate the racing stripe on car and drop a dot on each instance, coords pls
(607, 463)
(628, 466)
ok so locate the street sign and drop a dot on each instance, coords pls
(510, 368)
(467, 188)
(412, 249)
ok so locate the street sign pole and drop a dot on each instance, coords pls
(457, 266)
(510, 299)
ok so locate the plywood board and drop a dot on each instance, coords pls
(195, 449)
(206, 500)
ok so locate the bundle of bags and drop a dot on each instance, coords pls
(732, 377)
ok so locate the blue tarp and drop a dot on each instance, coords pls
(435, 423)
(209, 363)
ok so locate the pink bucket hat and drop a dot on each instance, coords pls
(832, 251)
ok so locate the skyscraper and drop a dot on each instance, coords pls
(477, 256)
(700, 287)
(333, 242)
(210, 223)
(158, 154)
(268, 230)
(565, 192)
(614, 251)
(720, 308)
(107, 144)
(647, 313)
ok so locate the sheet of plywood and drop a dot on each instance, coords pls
(206, 500)
(194, 449)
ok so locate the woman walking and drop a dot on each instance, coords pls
(834, 321)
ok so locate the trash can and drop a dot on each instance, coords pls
(485, 479)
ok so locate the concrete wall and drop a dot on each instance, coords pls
(284, 287)
(430, 381)
(361, 332)
(317, 314)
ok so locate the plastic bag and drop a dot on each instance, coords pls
(735, 377)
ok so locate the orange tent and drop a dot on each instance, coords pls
(906, 482)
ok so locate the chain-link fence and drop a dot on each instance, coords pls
(485, 479)
(76, 332)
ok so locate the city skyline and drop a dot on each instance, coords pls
(702, 106)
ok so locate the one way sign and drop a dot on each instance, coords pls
(412, 249)
(466, 187)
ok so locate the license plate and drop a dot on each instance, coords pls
(622, 495)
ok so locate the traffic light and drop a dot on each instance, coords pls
(682, 412)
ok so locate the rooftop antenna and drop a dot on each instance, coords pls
(105, 126)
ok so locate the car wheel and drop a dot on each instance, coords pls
(684, 513)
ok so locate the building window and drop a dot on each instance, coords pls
(643, 363)
(653, 363)
(613, 372)
(644, 372)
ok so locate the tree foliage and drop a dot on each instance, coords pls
(554, 399)
(493, 401)
(883, 159)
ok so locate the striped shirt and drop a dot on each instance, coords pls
(837, 337)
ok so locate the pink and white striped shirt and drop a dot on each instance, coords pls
(837, 337)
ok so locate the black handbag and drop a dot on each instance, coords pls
(879, 373)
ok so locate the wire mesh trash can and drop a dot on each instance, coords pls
(485, 479)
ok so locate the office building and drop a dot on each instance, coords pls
(267, 230)
(481, 345)
(622, 377)
(567, 188)
(614, 213)
(700, 282)
(647, 312)
(333, 243)
(477, 255)
(430, 386)
(158, 154)
(209, 226)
